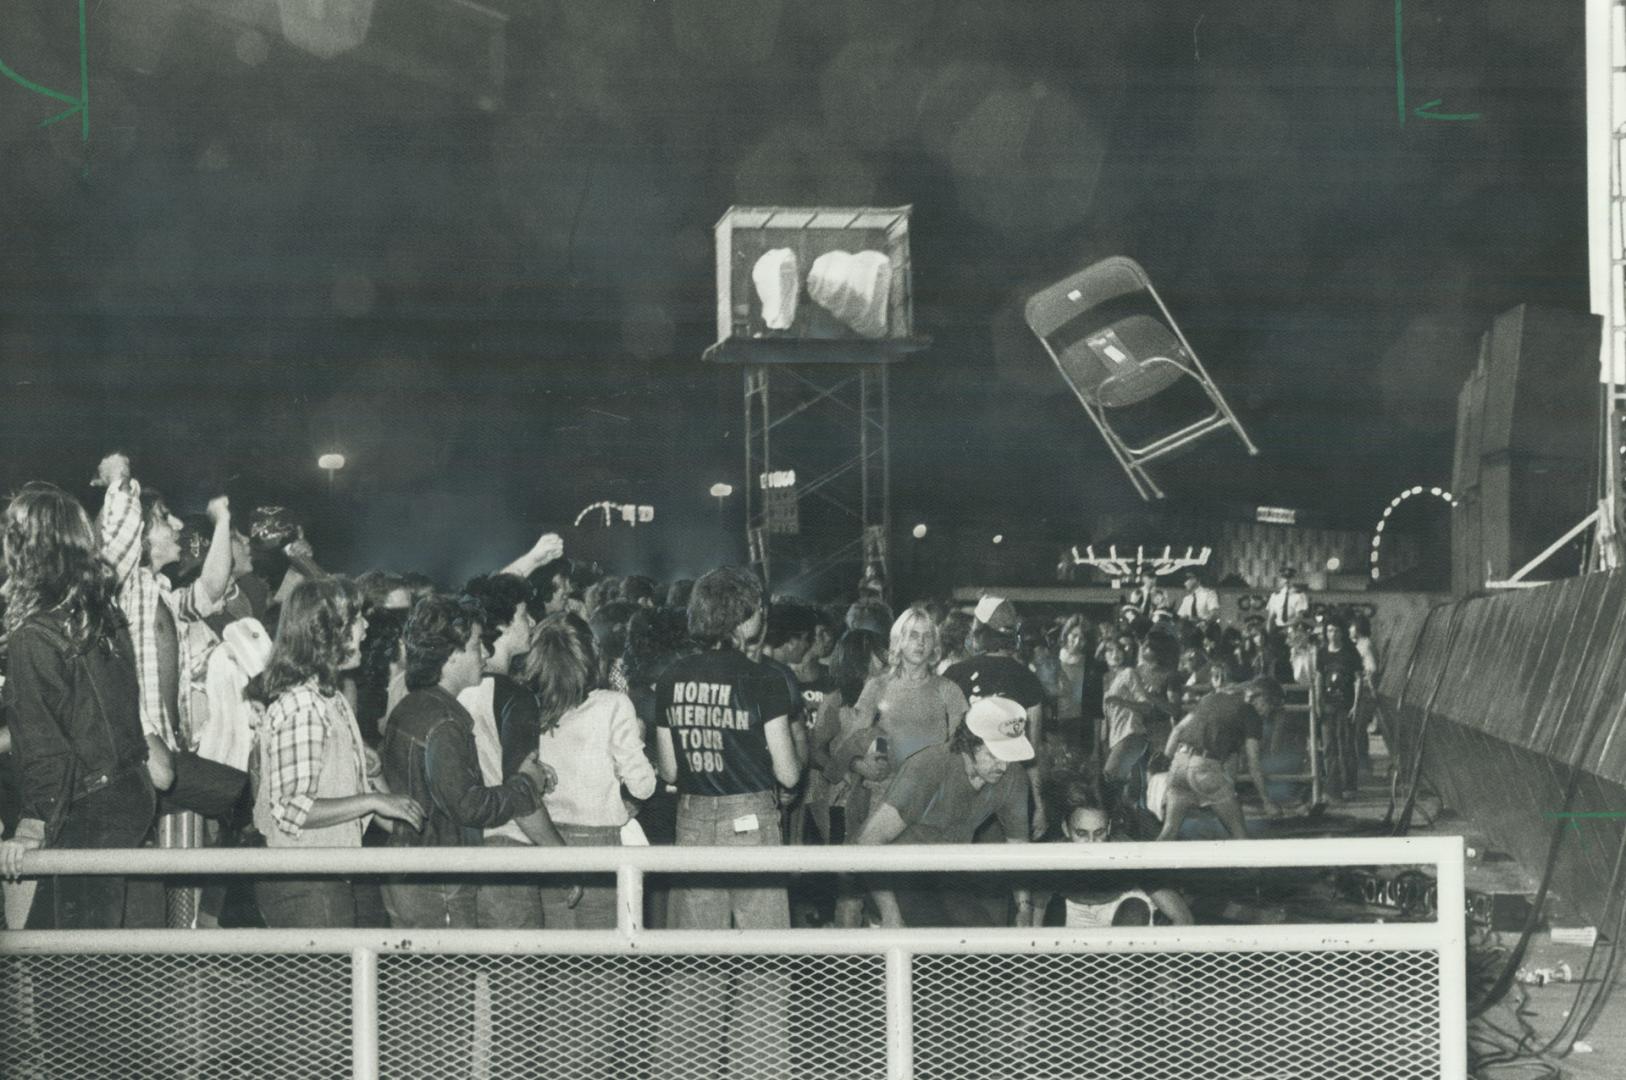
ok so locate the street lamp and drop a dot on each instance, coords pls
(721, 491)
(330, 464)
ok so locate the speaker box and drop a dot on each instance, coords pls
(1527, 427)
(1541, 383)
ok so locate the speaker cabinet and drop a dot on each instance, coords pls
(1527, 428)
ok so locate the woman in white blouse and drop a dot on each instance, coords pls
(592, 738)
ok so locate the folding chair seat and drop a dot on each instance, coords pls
(1102, 329)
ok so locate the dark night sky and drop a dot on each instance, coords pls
(499, 314)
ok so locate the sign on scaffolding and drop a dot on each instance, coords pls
(780, 504)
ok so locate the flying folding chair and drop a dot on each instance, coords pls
(1098, 328)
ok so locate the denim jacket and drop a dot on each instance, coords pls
(429, 754)
(75, 716)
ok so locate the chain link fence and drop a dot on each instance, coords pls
(83, 1016)
(1329, 1001)
(1178, 1016)
(1261, 1016)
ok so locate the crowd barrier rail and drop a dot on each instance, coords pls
(1322, 1000)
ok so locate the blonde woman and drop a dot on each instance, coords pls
(912, 706)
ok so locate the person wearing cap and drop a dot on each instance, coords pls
(943, 795)
(995, 671)
(1229, 720)
(1288, 604)
(1198, 603)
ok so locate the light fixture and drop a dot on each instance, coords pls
(999, 538)
(1334, 564)
(919, 532)
(331, 462)
(1388, 511)
(721, 490)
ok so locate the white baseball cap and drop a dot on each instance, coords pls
(1002, 726)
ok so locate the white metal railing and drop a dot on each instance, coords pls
(894, 1003)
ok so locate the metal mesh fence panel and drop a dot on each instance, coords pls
(601, 1017)
(1178, 1016)
(214, 1017)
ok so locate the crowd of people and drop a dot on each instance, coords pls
(213, 685)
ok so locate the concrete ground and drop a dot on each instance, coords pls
(1534, 1013)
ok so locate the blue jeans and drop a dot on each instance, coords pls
(298, 903)
(432, 905)
(596, 1007)
(443, 1036)
(596, 909)
(701, 903)
(81, 1031)
(1338, 734)
(508, 903)
(119, 815)
(706, 1004)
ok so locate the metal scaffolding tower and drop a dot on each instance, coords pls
(818, 453)
(828, 424)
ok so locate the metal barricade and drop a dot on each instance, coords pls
(1318, 1000)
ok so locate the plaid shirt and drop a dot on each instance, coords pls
(140, 593)
(293, 735)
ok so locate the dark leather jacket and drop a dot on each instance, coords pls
(74, 716)
(429, 754)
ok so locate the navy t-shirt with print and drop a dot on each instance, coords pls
(813, 692)
(717, 705)
(1340, 671)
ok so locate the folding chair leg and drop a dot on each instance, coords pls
(1145, 486)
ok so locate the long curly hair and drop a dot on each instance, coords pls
(53, 564)
(313, 638)
(562, 667)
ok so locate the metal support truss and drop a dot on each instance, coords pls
(1606, 202)
(829, 423)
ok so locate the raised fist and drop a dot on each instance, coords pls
(113, 470)
(219, 509)
(548, 547)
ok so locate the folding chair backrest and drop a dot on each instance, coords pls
(1104, 357)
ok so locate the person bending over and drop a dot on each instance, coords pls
(942, 795)
(1229, 720)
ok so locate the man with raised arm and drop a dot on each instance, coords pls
(139, 537)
